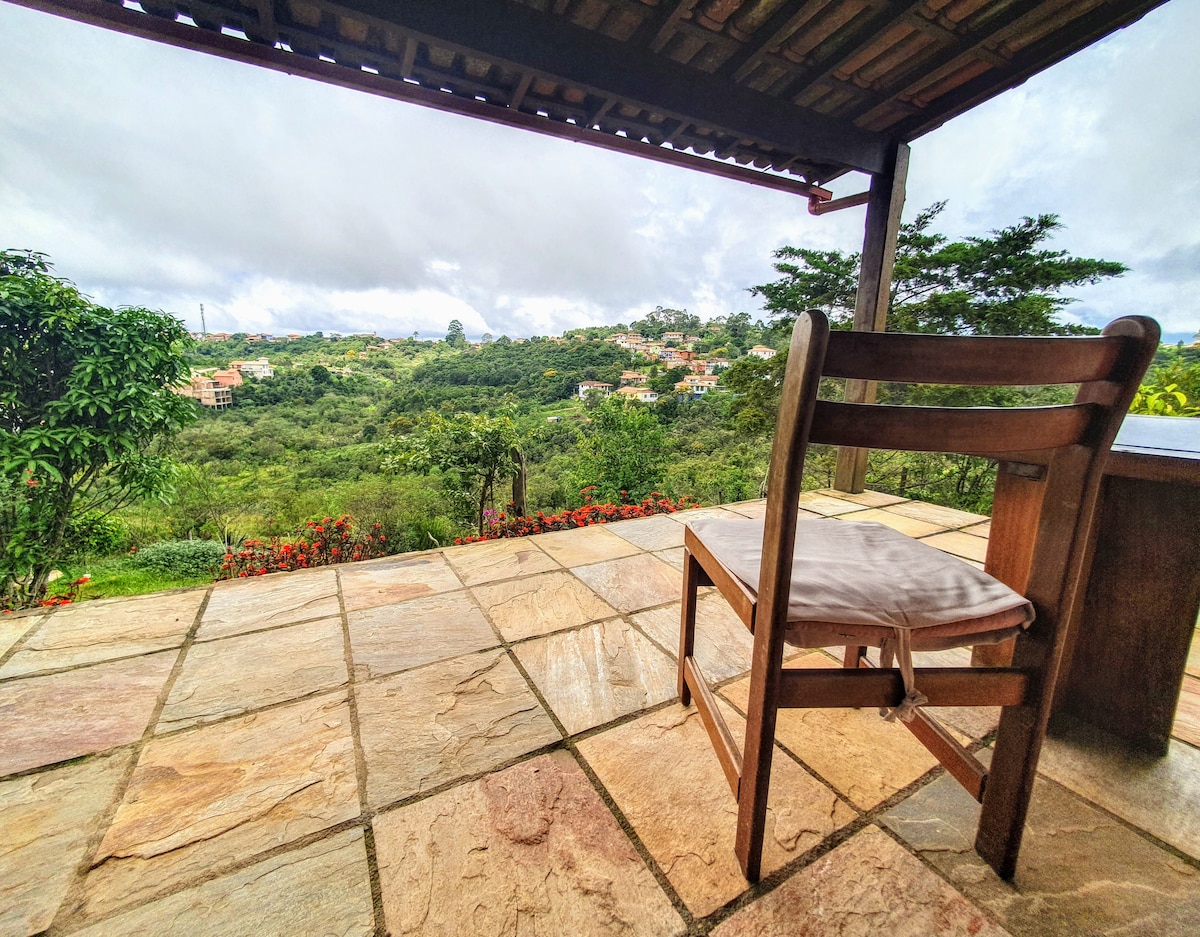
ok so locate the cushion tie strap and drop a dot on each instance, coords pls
(899, 648)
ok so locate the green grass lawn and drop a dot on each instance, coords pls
(116, 575)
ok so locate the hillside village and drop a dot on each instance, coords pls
(698, 359)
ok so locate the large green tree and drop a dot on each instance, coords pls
(473, 451)
(623, 449)
(1005, 283)
(85, 395)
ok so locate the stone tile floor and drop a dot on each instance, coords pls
(483, 740)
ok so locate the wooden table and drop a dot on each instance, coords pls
(1124, 667)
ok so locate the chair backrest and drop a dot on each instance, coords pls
(1070, 441)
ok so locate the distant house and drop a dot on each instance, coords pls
(586, 386)
(698, 366)
(701, 382)
(644, 394)
(676, 337)
(217, 337)
(713, 365)
(228, 378)
(258, 368)
(292, 336)
(762, 351)
(207, 392)
(632, 377)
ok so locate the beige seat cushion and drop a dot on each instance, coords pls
(857, 582)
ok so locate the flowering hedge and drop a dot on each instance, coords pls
(501, 526)
(318, 543)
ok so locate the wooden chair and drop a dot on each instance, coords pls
(1063, 445)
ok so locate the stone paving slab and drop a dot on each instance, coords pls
(14, 627)
(585, 545)
(321, 889)
(757, 508)
(46, 822)
(695, 514)
(385, 582)
(446, 721)
(633, 583)
(664, 776)
(827, 506)
(868, 886)
(203, 799)
(390, 638)
(961, 544)
(44, 720)
(253, 824)
(542, 854)
(594, 674)
(723, 646)
(936, 514)
(243, 605)
(870, 499)
(906, 525)
(1187, 715)
(537, 605)
(493, 560)
(246, 672)
(91, 632)
(660, 532)
(1079, 872)
(1159, 795)
(863, 757)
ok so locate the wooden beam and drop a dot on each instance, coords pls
(520, 37)
(884, 208)
(130, 22)
(1092, 26)
(778, 29)
(943, 686)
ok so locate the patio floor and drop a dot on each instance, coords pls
(484, 740)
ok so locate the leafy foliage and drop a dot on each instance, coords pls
(84, 395)
(183, 558)
(503, 372)
(324, 542)
(623, 450)
(1006, 283)
(473, 451)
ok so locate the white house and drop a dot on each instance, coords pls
(258, 368)
(762, 351)
(584, 386)
(643, 394)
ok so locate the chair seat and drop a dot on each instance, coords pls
(861, 583)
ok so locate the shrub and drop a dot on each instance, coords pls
(499, 525)
(318, 543)
(183, 558)
(95, 534)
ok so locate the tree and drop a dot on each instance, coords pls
(85, 394)
(624, 450)
(1004, 284)
(473, 451)
(455, 335)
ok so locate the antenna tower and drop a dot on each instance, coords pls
(203, 327)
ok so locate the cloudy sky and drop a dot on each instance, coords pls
(156, 176)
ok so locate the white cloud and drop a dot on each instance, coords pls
(168, 178)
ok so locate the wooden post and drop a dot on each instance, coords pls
(874, 289)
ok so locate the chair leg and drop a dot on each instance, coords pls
(687, 625)
(1009, 788)
(854, 656)
(761, 712)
